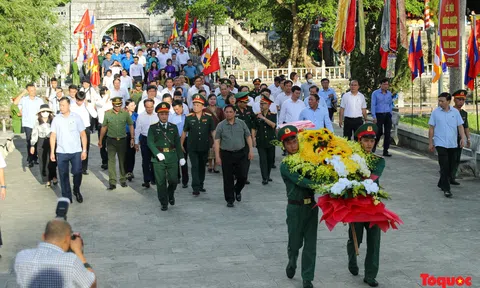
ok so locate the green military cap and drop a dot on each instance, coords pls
(197, 98)
(367, 130)
(253, 94)
(286, 132)
(460, 94)
(162, 107)
(117, 101)
(242, 96)
(257, 81)
(225, 81)
(265, 99)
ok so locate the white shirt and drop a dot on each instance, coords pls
(234, 91)
(298, 84)
(275, 90)
(103, 104)
(67, 131)
(90, 94)
(183, 58)
(141, 106)
(282, 97)
(126, 82)
(290, 111)
(116, 70)
(108, 82)
(84, 111)
(136, 70)
(162, 60)
(321, 101)
(145, 95)
(142, 60)
(143, 123)
(122, 92)
(194, 90)
(353, 105)
(165, 91)
(256, 108)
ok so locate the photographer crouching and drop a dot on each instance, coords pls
(58, 261)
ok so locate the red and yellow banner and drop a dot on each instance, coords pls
(449, 19)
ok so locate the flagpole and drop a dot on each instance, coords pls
(420, 96)
(412, 102)
(474, 20)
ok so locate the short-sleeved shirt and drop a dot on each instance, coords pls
(445, 125)
(353, 104)
(198, 131)
(29, 109)
(2, 162)
(324, 94)
(115, 123)
(464, 116)
(106, 64)
(67, 130)
(264, 132)
(232, 136)
(49, 266)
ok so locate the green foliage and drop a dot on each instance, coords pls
(31, 42)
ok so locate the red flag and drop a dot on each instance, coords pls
(384, 62)
(320, 42)
(412, 59)
(212, 65)
(84, 22)
(95, 76)
(349, 42)
(393, 25)
(185, 24)
(115, 34)
(419, 55)
(79, 47)
(472, 67)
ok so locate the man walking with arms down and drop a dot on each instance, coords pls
(445, 123)
(459, 98)
(67, 132)
(353, 107)
(382, 115)
(302, 213)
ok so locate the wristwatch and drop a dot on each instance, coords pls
(3, 187)
(88, 266)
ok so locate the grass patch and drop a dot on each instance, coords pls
(422, 122)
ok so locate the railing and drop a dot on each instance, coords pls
(330, 72)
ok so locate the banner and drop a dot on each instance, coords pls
(477, 30)
(449, 31)
(392, 58)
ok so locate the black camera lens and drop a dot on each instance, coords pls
(74, 237)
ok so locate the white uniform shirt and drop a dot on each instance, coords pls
(165, 91)
(122, 92)
(353, 104)
(103, 104)
(141, 106)
(194, 90)
(84, 111)
(143, 123)
(290, 111)
(182, 58)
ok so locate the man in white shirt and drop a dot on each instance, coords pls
(162, 57)
(169, 87)
(136, 70)
(91, 96)
(141, 59)
(117, 91)
(306, 86)
(354, 108)
(177, 96)
(285, 95)
(103, 104)
(151, 94)
(314, 90)
(182, 56)
(275, 88)
(86, 111)
(292, 107)
(144, 120)
(256, 106)
(198, 85)
(54, 103)
(51, 90)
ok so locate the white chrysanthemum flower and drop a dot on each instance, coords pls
(339, 186)
(370, 186)
(338, 165)
(362, 163)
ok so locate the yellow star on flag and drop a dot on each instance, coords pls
(95, 68)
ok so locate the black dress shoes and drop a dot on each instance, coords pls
(85, 172)
(274, 167)
(290, 271)
(386, 154)
(112, 187)
(371, 282)
(104, 166)
(447, 194)
(453, 182)
(202, 190)
(230, 204)
(78, 196)
(123, 184)
(353, 270)
(270, 180)
(307, 284)
(171, 201)
(146, 185)
(184, 185)
(247, 182)
(238, 196)
(164, 207)
(196, 193)
(30, 164)
(264, 182)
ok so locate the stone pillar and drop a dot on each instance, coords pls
(457, 73)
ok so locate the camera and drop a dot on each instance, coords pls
(62, 208)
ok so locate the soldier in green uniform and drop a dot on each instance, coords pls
(113, 127)
(366, 135)
(164, 142)
(256, 88)
(459, 98)
(302, 213)
(199, 126)
(245, 113)
(263, 133)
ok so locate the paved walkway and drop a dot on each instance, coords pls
(201, 243)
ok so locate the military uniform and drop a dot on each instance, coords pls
(247, 116)
(373, 233)
(163, 139)
(198, 142)
(458, 150)
(264, 134)
(116, 141)
(302, 218)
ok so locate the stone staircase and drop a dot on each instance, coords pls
(262, 54)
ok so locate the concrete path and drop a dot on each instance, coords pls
(201, 243)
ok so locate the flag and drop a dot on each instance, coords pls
(419, 56)
(427, 15)
(95, 75)
(84, 22)
(212, 64)
(191, 32)
(472, 65)
(439, 65)
(89, 29)
(115, 34)
(185, 24)
(320, 41)
(206, 52)
(174, 32)
(349, 40)
(79, 47)
(412, 59)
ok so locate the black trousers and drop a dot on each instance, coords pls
(458, 155)
(103, 150)
(384, 124)
(266, 156)
(330, 113)
(350, 125)
(85, 162)
(447, 161)
(235, 162)
(48, 169)
(147, 165)
(183, 170)
(130, 156)
(28, 135)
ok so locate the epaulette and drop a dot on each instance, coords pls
(191, 114)
(209, 114)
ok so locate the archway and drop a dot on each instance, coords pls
(126, 32)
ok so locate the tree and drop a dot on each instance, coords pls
(31, 42)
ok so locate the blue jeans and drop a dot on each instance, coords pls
(63, 161)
